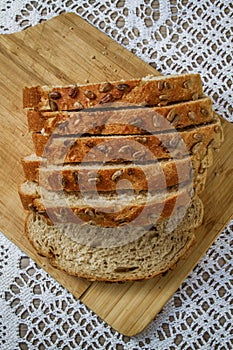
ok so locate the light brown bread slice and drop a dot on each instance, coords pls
(156, 251)
(142, 148)
(106, 208)
(76, 177)
(148, 91)
(122, 121)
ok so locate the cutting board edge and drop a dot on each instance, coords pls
(137, 330)
(47, 23)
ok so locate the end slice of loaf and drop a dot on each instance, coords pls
(148, 91)
(153, 253)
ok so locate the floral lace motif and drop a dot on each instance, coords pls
(38, 313)
(174, 36)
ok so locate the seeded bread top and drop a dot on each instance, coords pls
(148, 91)
(122, 121)
(108, 209)
(141, 148)
(154, 176)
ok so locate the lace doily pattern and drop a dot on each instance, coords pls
(174, 36)
(171, 35)
(38, 313)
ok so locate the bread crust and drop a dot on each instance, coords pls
(70, 178)
(161, 205)
(27, 198)
(122, 121)
(31, 167)
(146, 91)
(73, 149)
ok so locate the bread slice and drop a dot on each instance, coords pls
(141, 148)
(122, 121)
(147, 91)
(76, 177)
(156, 251)
(107, 208)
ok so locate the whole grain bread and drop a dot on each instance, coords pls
(76, 177)
(122, 121)
(136, 148)
(107, 232)
(156, 251)
(107, 208)
(147, 91)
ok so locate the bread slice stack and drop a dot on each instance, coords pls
(112, 190)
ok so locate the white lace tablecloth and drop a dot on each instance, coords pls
(38, 313)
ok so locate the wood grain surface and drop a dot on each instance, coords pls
(66, 50)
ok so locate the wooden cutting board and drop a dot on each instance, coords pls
(65, 50)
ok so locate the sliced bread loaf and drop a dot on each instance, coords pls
(142, 148)
(148, 91)
(122, 121)
(106, 208)
(156, 251)
(106, 232)
(106, 177)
